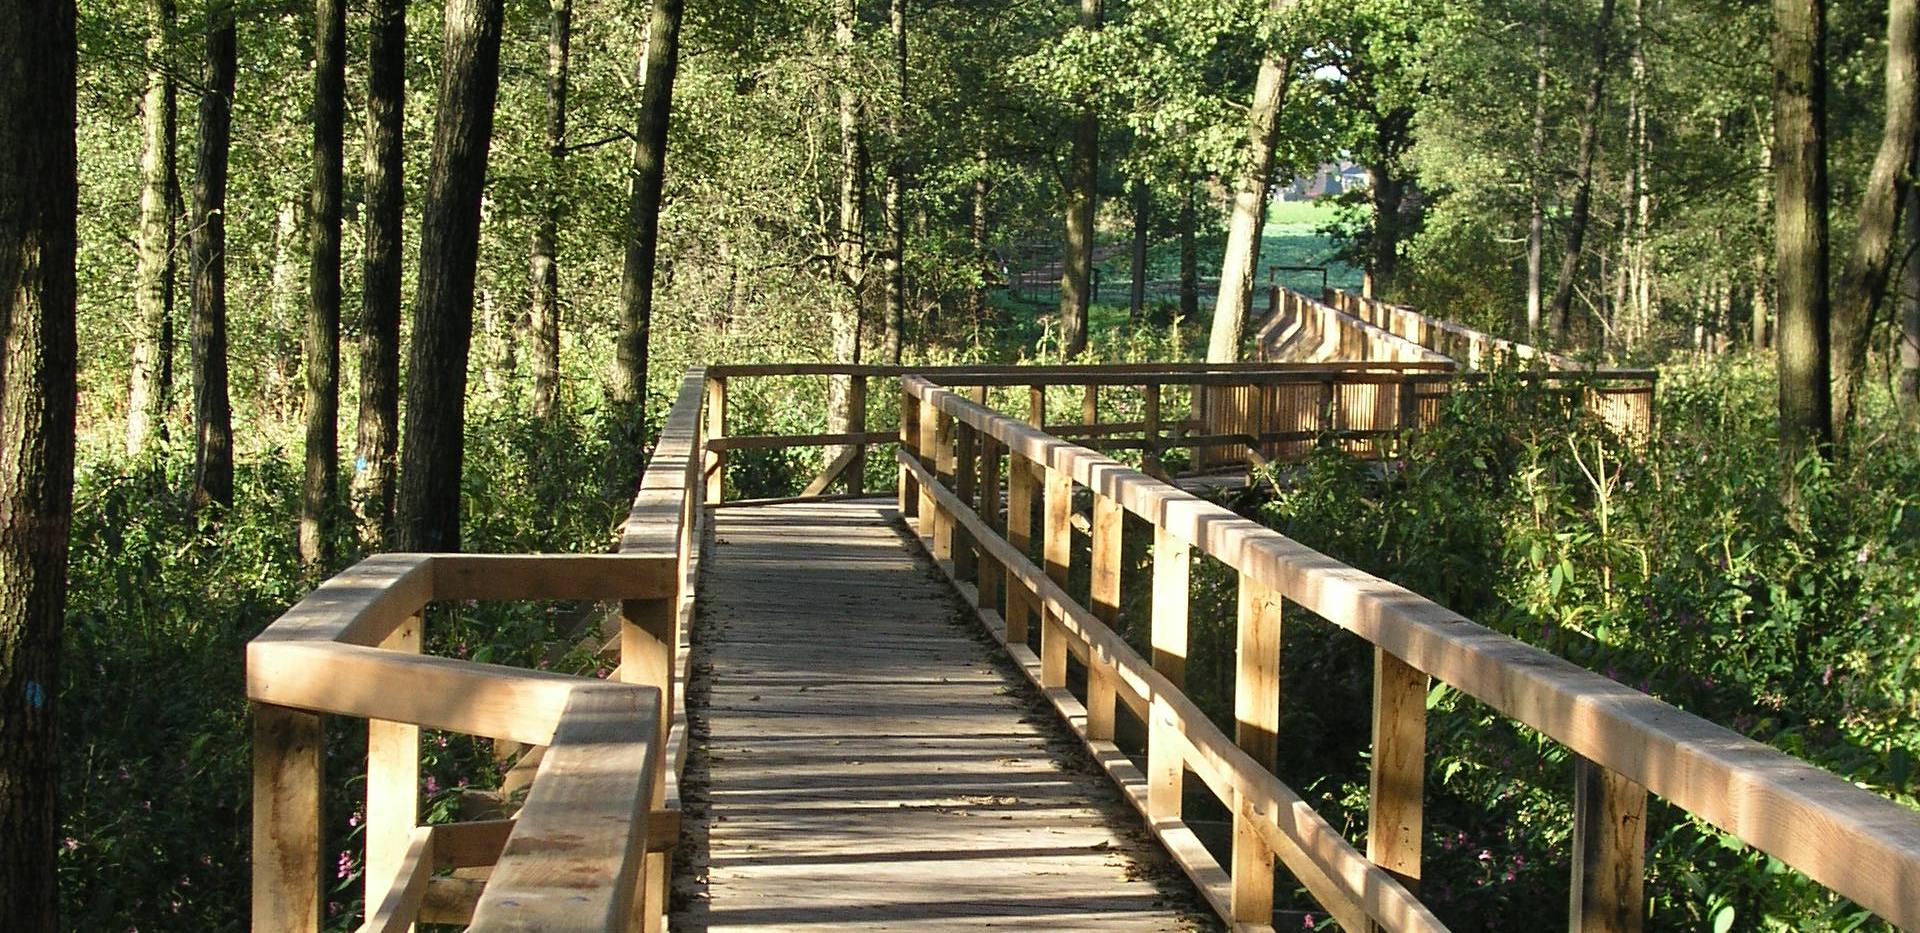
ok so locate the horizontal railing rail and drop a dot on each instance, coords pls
(587, 850)
(1626, 744)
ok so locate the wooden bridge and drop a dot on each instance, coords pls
(860, 759)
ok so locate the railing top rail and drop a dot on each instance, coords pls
(1043, 369)
(654, 523)
(1857, 843)
(1422, 354)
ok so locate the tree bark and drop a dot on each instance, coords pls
(545, 265)
(1189, 254)
(320, 492)
(1800, 225)
(432, 456)
(212, 409)
(39, 195)
(1237, 268)
(377, 436)
(1537, 185)
(1387, 189)
(643, 234)
(977, 230)
(1083, 180)
(153, 281)
(1907, 392)
(1863, 280)
(894, 263)
(850, 259)
(1562, 308)
(1142, 219)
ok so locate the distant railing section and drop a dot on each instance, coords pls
(960, 463)
(1472, 348)
(588, 850)
(1302, 329)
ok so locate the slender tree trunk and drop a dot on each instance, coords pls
(1907, 393)
(1083, 181)
(850, 250)
(1863, 280)
(1800, 225)
(1537, 184)
(39, 196)
(212, 410)
(1641, 273)
(1189, 253)
(318, 503)
(432, 456)
(153, 286)
(1583, 174)
(377, 436)
(893, 208)
(1763, 328)
(1142, 230)
(1237, 268)
(545, 314)
(643, 234)
(977, 232)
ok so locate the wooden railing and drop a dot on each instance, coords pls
(958, 456)
(1302, 329)
(588, 850)
(1472, 348)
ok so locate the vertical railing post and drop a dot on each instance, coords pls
(649, 641)
(288, 748)
(909, 502)
(393, 782)
(943, 469)
(1609, 850)
(966, 473)
(1166, 754)
(857, 412)
(1057, 548)
(1327, 397)
(929, 452)
(1022, 487)
(1409, 402)
(716, 460)
(1104, 599)
(1256, 712)
(992, 572)
(1395, 788)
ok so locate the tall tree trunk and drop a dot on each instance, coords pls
(977, 230)
(1763, 328)
(212, 410)
(1387, 189)
(1237, 268)
(850, 250)
(643, 234)
(318, 502)
(153, 284)
(1800, 224)
(1640, 273)
(377, 435)
(1863, 280)
(1536, 184)
(432, 456)
(39, 195)
(1083, 180)
(1142, 230)
(892, 207)
(1189, 253)
(1907, 393)
(545, 315)
(1562, 308)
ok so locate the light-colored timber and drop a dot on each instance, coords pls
(869, 766)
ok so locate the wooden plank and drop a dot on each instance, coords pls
(786, 441)
(573, 859)
(1104, 599)
(1398, 768)
(1057, 547)
(716, 458)
(1022, 487)
(857, 408)
(402, 889)
(992, 578)
(1609, 851)
(966, 473)
(927, 452)
(393, 784)
(1252, 895)
(359, 605)
(288, 748)
(943, 464)
(1256, 683)
(909, 501)
(598, 577)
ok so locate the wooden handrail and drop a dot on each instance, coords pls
(1860, 845)
(580, 855)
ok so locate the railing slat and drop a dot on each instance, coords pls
(288, 749)
(1398, 770)
(393, 782)
(1609, 851)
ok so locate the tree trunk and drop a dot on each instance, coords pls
(1083, 180)
(1189, 254)
(643, 234)
(1237, 268)
(318, 502)
(431, 459)
(1800, 225)
(212, 410)
(1142, 230)
(39, 196)
(1537, 185)
(1863, 281)
(377, 437)
(977, 232)
(895, 262)
(1583, 175)
(545, 314)
(1907, 393)
(850, 253)
(153, 283)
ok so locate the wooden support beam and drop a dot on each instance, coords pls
(1057, 552)
(857, 408)
(393, 783)
(1172, 594)
(992, 574)
(966, 474)
(1104, 600)
(909, 502)
(1256, 683)
(1022, 495)
(1252, 897)
(288, 748)
(1396, 786)
(844, 463)
(402, 888)
(943, 465)
(1609, 850)
(716, 458)
(1151, 457)
(928, 453)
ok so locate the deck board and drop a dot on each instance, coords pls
(863, 763)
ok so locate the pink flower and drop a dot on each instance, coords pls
(433, 786)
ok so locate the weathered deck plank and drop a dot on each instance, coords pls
(864, 764)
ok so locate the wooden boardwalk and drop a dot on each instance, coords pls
(862, 762)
